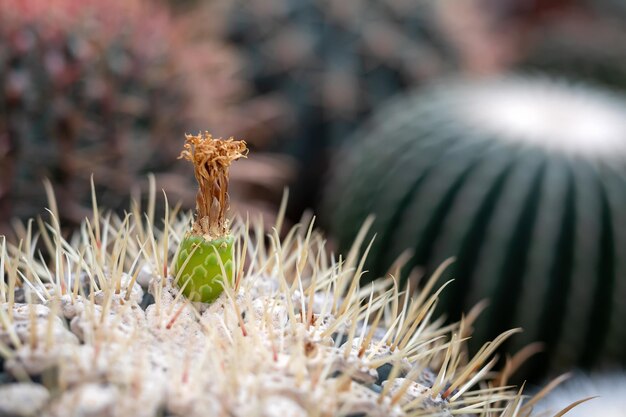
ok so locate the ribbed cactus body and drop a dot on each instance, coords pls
(523, 181)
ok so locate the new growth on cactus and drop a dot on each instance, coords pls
(205, 257)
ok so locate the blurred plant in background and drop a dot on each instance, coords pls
(86, 87)
(316, 69)
(109, 89)
(522, 180)
(320, 67)
(580, 39)
(536, 228)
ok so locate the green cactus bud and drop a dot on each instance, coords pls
(200, 264)
(206, 253)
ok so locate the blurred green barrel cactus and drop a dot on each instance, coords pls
(523, 180)
(86, 87)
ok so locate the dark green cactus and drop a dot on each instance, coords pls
(524, 181)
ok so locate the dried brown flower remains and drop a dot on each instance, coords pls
(211, 160)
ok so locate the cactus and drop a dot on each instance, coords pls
(522, 180)
(205, 256)
(102, 330)
(84, 90)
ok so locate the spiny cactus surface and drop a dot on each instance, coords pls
(523, 180)
(102, 330)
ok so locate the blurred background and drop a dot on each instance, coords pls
(358, 107)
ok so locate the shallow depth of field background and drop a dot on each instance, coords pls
(108, 88)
